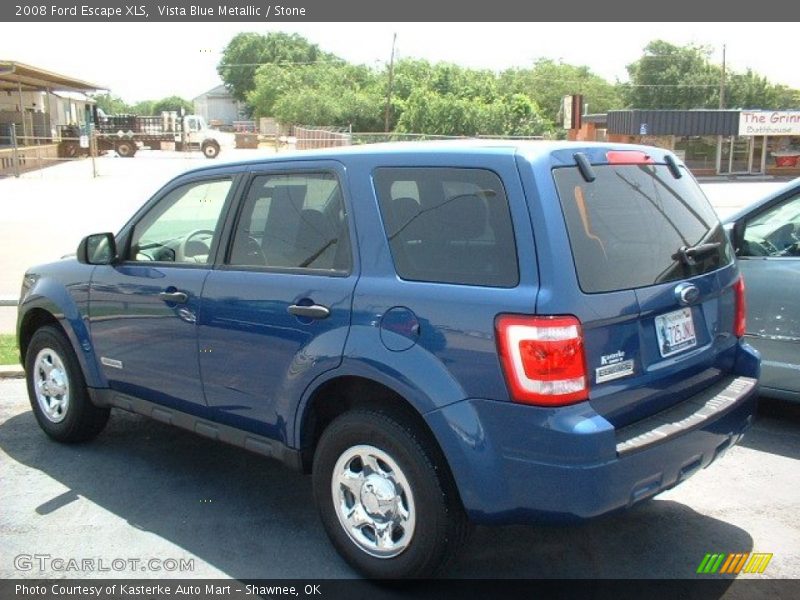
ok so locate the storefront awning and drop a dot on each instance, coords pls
(18, 76)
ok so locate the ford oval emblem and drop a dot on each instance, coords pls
(687, 293)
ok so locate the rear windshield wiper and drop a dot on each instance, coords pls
(689, 254)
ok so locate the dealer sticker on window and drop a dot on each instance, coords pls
(675, 332)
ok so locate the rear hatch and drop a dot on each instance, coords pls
(656, 278)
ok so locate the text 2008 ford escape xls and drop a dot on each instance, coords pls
(439, 333)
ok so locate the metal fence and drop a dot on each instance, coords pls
(308, 138)
(18, 154)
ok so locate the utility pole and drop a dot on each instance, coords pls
(389, 90)
(722, 81)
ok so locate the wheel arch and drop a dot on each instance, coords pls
(341, 393)
(69, 322)
(34, 319)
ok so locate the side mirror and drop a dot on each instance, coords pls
(98, 249)
(737, 236)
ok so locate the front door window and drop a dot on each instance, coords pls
(182, 228)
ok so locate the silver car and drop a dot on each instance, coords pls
(766, 236)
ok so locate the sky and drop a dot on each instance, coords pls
(142, 61)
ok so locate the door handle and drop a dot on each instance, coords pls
(315, 311)
(176, 297)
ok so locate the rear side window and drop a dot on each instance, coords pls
(636, 225)
(448, 225)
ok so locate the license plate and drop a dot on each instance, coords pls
(675, 332)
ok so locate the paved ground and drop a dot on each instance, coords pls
(144, 490)
(47, 212)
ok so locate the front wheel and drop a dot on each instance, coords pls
(57, 390)
(210, 149)
(387, 505)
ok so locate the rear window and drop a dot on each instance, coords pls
(448, 225)
(636, 225)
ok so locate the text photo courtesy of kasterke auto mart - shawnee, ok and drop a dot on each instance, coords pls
(297, 302)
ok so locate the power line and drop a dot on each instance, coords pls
(285, 63)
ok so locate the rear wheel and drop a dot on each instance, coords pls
(57, 390)
(125, 149)
(390, 510)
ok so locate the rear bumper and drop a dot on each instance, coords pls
(516, 463)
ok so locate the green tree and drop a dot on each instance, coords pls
(427, 111)
(750, 90)
(143, 107)
(170, 103)
(548, 81)
(112, 105)
(324, 93)
(246, 52)
(672, 77)
(682, 77)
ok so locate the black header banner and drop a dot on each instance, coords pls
(391, 10)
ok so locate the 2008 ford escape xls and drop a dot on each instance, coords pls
(439, 333)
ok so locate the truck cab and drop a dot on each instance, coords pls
(197, 135)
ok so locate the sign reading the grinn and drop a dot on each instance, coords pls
(769, 122)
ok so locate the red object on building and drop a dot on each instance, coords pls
(786, 160)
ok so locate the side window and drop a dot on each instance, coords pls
(448, 225)
(775, 232)
(181, 228)
(293, 221)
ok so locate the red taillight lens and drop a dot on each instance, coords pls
(628, 157)
(740, 314)
(543, 359)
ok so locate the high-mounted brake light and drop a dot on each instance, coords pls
(543, 359)
(628, 157)
(740, 313)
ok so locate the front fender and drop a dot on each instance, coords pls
(68, 304)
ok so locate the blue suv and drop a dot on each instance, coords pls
(441, 334)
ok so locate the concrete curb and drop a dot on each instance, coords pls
(11, 372)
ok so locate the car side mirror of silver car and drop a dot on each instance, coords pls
(97, 249)
(737, 236)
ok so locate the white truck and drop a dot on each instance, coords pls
(125, 134)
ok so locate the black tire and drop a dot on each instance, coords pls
(125, 149)
(79, 420)
(440, 524)
(210, 150)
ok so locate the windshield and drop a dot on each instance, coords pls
(637, 225)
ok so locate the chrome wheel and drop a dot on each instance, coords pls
(373, 501)
(51, 385)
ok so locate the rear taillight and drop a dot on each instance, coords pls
(740, 313)
(543, 359)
